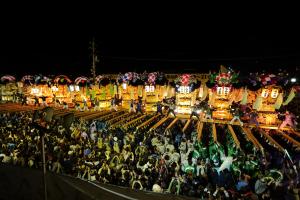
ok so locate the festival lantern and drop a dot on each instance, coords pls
(35, 91)
(71, 87)
(274, 93)
(149, 88)
(54, 89)
(264, 93)
(223, 90)
(184, 89)
(124, 86)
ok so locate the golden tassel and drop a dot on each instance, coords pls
(239, 95)
(245, 97)
(290, 97)
(279, 101)
(258, 103)
(232, 96)
(140, 91)
(131, 93)
(115, 90)
(120, 91)
(204, 92)
(212, 98)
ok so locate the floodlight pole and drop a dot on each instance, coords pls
(44, 166)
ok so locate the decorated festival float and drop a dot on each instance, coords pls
(80, 90)
(103, 90)
(151, 92)
(266, 95)
(38, 86)
(155, 89)
(60, 88)
(223, 92)
(150, 88)
(186, 93)
(129, 88)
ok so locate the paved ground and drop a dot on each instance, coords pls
(24, 183)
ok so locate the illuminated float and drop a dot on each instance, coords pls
(185, 93)
(267, 96)
(106, 90)
(129, 88)
(61, 88)
(41, 87)
(155, 90)
(221, 93)
(80, 91)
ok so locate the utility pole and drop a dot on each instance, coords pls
(44, 166)
(94, 60)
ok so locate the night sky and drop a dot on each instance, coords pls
(170, 44)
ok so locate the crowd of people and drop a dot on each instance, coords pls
(160, 160)
(169, 161)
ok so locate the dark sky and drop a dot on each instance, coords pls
(138, 43)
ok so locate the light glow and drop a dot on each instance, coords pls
(265, 93)
(71, 88)
(184, 89)
(124, 85)
(149, 88)
(35, 91)
(223, 90)
(274, 93)
(54, 88)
